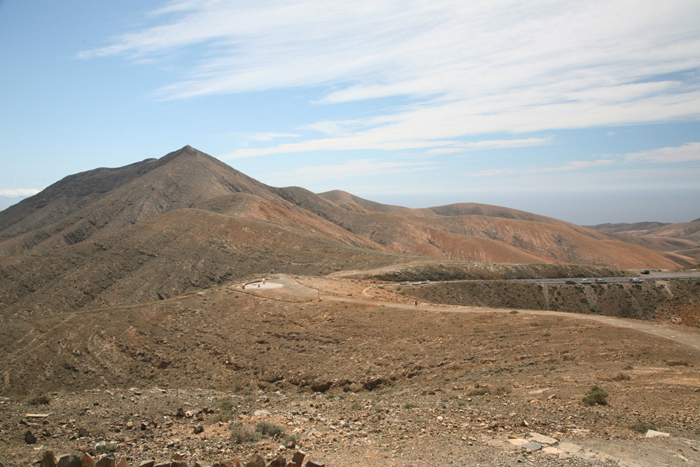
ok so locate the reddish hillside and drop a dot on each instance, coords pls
(162, 227)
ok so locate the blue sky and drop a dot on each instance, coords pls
(584, 111)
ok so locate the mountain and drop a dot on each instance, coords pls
(679, 239)
(162, 227)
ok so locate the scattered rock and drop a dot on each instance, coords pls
(569, 447)
(105, 461)
(542, 439)
(656, 434)
(29, 438)
(198, 429)
(82, 432)
(256, 461)
(531, 446)
(69, 460)
(48, 460)
(279, 461)
(553, 451)
(297, 459)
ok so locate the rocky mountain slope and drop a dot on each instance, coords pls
(165, 226)
(681, 239)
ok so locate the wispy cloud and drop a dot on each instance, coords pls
(270, 136)
(17, 192)
(569, 167)
(350, 169)
(459, 147)
(687, 152)
(468, 68)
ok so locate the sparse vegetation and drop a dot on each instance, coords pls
(43, 399)
(643, 427)
(410, 405)
(269, 429)
(244, 434)
(621, 377)
(596, 396)
(478, 392)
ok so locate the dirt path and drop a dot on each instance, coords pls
(307, 288)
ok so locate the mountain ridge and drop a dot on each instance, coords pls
(165, 226)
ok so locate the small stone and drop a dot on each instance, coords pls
(48, 460)
(552, 451)
(656, 434)
(82, 432)
(29, 438)
(177, 456)
(542, 439)
(198, 429)
(517, 441)
(569, 447)
(256, 461)
(261, 413)
(531, 446)
(69, 460)
(180, 413)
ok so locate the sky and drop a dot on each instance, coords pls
(584, 111)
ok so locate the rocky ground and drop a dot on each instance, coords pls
(352, 376)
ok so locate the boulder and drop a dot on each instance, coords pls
(279, 461)
(148, 463)
(105, 461)
(87, 461)
(315, 463)
(298, 458)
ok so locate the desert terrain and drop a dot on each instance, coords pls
(178, 311)
(354, 373)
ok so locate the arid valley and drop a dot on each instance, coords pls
(178, 311)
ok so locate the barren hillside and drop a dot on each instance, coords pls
(165, 226)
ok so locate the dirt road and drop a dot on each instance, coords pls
(285, 287)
